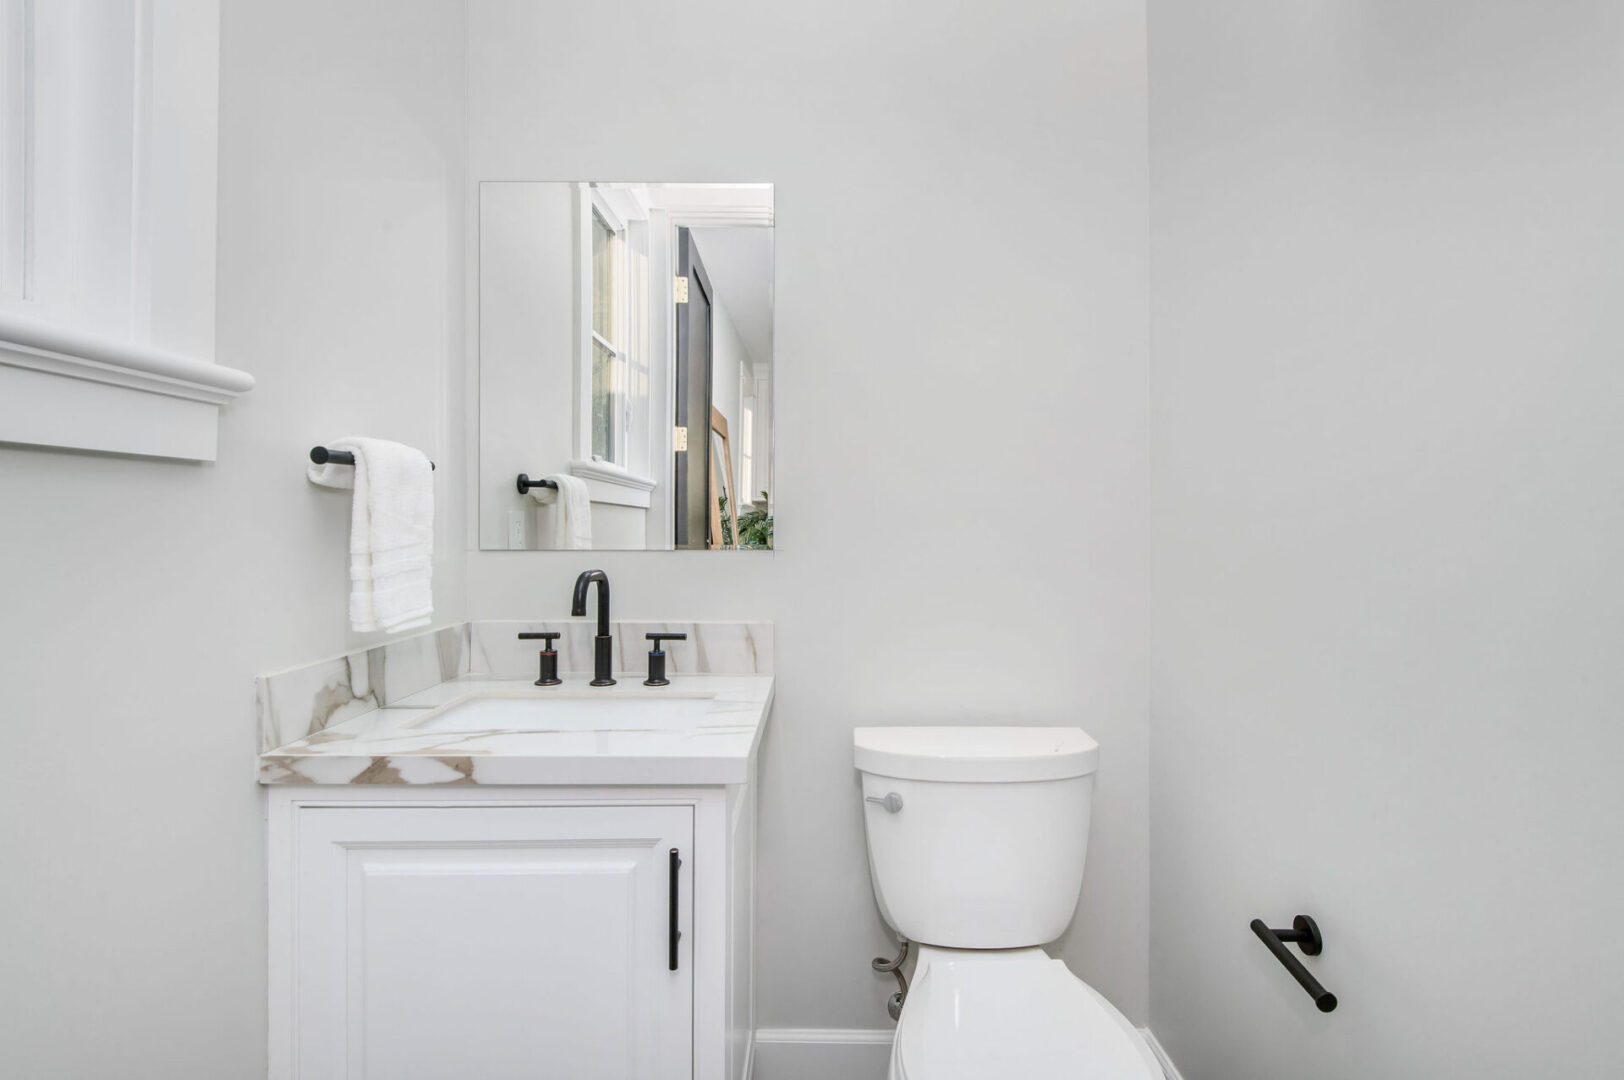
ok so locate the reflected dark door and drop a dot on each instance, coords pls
(692, 486)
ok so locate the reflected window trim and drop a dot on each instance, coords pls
(623, 212)
(619, 413)
(747, 456)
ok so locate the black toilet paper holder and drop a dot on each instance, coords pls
(1304, 932)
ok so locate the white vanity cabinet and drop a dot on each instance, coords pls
(422, 933)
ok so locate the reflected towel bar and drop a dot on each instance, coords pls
(1306, 934)
(323, 456)
(525, 484)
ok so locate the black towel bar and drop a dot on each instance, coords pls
(1306, 934)
(323, 456)
(525, 484)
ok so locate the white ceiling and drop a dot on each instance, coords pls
(740, 264)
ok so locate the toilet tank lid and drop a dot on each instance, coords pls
(975, 754)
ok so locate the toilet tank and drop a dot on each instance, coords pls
(984, 843)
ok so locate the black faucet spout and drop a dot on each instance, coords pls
(579, 606)
(603, 646)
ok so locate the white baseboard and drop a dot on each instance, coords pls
(821, 1053)
(851, 1054)
(1168, 1067)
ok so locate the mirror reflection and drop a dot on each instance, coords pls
(625, 366)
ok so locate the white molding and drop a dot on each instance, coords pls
(611, 208)
(822, 1053)
(838, 1037)
(720, 217)
(637, 198)
(581, 379)
(622, 204)
(126, 363)
(825, 1036)
(660, 521)
(64, 387)
(706, 204)
(1168, 1068)
(607, 483)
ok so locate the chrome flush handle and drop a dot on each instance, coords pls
(892, 802)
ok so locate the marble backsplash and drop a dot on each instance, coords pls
(298, 703)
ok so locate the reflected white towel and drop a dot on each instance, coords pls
(391, 532)
(572, 514)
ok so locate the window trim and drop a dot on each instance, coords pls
(62, 387)
(117, 360)
(17, 80)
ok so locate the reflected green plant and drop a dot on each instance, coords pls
(755, 527)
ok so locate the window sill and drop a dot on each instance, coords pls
(607, 483)
(62, 387)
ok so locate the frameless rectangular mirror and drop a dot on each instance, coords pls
(625, 366)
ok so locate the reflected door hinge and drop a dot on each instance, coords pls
(679, 440)
(682, 290)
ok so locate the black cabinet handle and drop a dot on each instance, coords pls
(1306, 934)
(673, 935)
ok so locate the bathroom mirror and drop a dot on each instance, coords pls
(625, 366)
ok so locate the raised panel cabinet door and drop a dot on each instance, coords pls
(493, 943)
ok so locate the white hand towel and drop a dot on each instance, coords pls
(391, 532)
(572, 513)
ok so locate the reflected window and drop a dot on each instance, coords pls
(610, 401)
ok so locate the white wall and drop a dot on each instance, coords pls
(908, 150)
(141, 597)
(1389, 452)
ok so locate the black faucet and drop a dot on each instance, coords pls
(603, 646)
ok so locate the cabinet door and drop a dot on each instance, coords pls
(488, 943)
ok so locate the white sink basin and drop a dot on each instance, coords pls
(572, 712)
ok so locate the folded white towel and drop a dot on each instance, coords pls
(571, 519)
(391, 532)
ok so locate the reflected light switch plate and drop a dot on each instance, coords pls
(516, 530)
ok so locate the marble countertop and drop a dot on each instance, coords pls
(387, 745)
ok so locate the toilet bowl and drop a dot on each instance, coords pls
(977, 838)
(979, 1015)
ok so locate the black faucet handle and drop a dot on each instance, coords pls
(656, 658)
(549, 656)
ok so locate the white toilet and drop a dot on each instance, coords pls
(976, 843)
